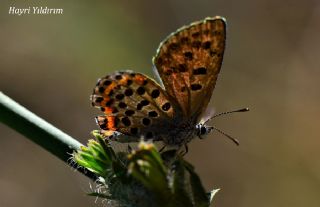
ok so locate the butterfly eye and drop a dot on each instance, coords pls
(203, 130)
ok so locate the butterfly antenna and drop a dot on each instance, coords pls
(228, 112)
(227, 135)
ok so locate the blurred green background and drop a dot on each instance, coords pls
(50, 64)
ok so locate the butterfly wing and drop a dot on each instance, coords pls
(133, 105)
(188, 63)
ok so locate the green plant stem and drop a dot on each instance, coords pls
(39, 131)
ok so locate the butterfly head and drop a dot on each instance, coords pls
(203, 129)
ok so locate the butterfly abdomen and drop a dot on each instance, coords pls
(180, 134)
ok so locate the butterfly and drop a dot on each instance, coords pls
(187, 64)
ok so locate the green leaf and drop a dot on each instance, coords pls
(167, 179)
(199, 194)
(100, 195)
(146, 165)
(212, 194)
(181, 195)
(106, 147)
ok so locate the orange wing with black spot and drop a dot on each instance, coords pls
(133, 104)
(188, 63)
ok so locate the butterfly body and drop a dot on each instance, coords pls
(187, 65)
(180, 134)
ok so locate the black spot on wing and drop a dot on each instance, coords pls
(166, 106)
(200, 71)
(126, 121)
(122, 105)
(188, 55)
(141, 91)
(196, 87)
(152, 114)
(146, 121)
(128, 92)
(155, 93)
(129, 112)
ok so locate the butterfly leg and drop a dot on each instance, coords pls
(162, 148)
(130, 149)
(108, 134)
(200, 137)
(186, 150)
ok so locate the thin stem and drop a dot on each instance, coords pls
(39, 131)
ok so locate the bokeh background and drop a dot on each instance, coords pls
(50, 64)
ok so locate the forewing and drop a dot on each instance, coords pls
(189, 61)
(133, 104)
